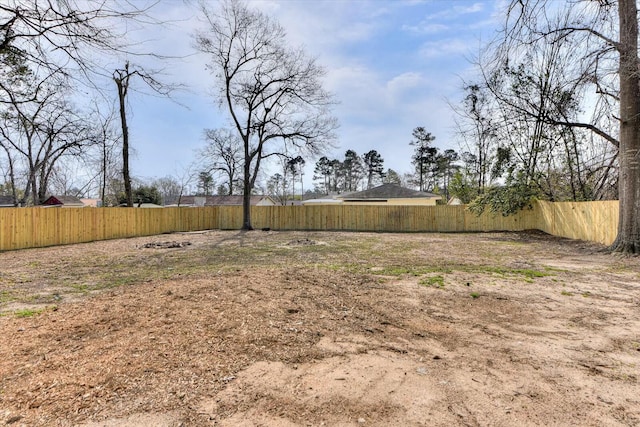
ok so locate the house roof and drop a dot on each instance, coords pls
(6, 201)
(388, 191)
(220, 200)
(327, 201)
(63, 200)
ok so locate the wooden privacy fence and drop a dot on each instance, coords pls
(375, 218)
(37, 227)
(592, 221)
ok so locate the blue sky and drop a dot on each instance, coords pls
(392, 66)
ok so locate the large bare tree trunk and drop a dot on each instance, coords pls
(246, 199)
(628, 239)
(126, 175)
(121, 77)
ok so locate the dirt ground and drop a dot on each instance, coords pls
(320, 329)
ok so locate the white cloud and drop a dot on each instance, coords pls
(474, 8)
(387, 81)
(426, 28)
(358, 31)
(370, 95)
(399, 85)
(325, 25)
(456, 11)
(381, 113)
(350, 77)
(442, 48)
(449, 19)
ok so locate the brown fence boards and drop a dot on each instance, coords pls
(37, 227)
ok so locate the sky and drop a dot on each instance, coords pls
(391, 65)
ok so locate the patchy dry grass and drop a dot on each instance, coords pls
(86, 268)
(292, 328)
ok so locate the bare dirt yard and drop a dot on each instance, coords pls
(320, 329)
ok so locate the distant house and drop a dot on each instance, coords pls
(390, 194)
(64, 202)
(94, 203)
(326, 201)
(6, 202)
(198, 201)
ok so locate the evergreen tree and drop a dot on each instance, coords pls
(374, 167)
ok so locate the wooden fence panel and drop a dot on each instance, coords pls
(449, 218)
(230, 218)
(37, 227)
(592, 221)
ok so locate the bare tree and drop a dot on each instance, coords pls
(277, 187)
(446, 167)
(223, 155)
(536, 94)
(107, 139)
(282, 185)
(477, 127)
(63, 35)
(38, 128)
(273, 93)
(605, 34)
(65, 133)
(65, 40)
(122, 78)
(169, 187)
(68, 178)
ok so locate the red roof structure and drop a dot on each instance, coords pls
(66, 201)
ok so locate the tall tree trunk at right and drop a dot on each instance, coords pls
(628, 240)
